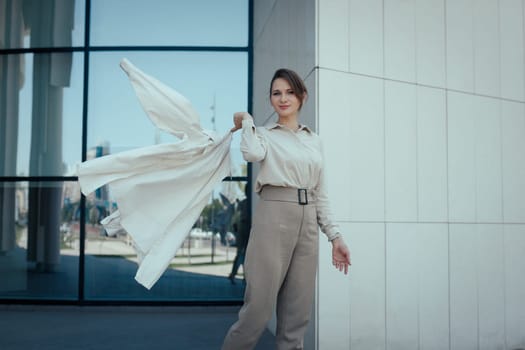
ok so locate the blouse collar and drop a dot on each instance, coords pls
(280, 126)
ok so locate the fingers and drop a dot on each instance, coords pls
(341, 265)
(237, 120)
(347, 257)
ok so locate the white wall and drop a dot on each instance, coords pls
(421, 107)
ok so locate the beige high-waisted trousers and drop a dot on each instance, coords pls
(280, 268)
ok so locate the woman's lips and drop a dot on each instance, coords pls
(284, 107)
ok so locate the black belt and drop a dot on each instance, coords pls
(300, 196)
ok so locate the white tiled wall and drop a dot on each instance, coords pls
(459, 27)
(333, 317)
(430, 42)
(463, 287)
(337, 169)
(461, 157)
(486, 41)
(365, 34)
(431, 155)
(433, 285)
(360, 320)
(421, 108)
(402, 293)
(332, 46)
(357, 178)
(491, 286)
(488, 159)
(514, 246)
(511, 49)
(399, 36)
(513, 161)
(400, 152)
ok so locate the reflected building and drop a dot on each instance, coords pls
(47, 24)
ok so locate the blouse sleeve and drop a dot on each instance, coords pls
(325, 217)
(253, 146)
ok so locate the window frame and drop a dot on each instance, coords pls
(87, 49)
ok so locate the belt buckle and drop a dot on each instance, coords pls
(302, 196)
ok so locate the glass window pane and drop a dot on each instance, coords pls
(39, 240)
(40, 114)
(215, 83)
(199, 271)
(168, 22)
(50, 23)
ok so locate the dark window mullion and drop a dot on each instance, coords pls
(82, 238)
(171, 48)
(37, 178)
(37, 50)
(41, 50)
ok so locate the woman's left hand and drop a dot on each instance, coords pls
(340, 255)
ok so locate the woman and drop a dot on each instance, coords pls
(281, 259)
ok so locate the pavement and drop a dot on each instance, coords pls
(40, 327)
(109, 271)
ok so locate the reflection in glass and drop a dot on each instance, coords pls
(39, 240)
(116, 119)
(168, 22)
(38, 23)
(40, 114)
(200, 269)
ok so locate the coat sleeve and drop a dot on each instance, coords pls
(167, 108)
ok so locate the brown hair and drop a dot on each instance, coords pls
(295, 81)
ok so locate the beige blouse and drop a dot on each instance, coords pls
(289, 158)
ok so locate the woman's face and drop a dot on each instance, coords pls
(283, 99)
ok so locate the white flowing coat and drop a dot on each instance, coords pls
(160, 190)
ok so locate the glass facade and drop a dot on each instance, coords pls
(64, 99)
(39, 251)
(47, 120)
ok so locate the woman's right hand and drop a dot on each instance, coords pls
(238, 118)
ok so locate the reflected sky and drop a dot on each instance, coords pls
(169, 22)
(201, 77)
